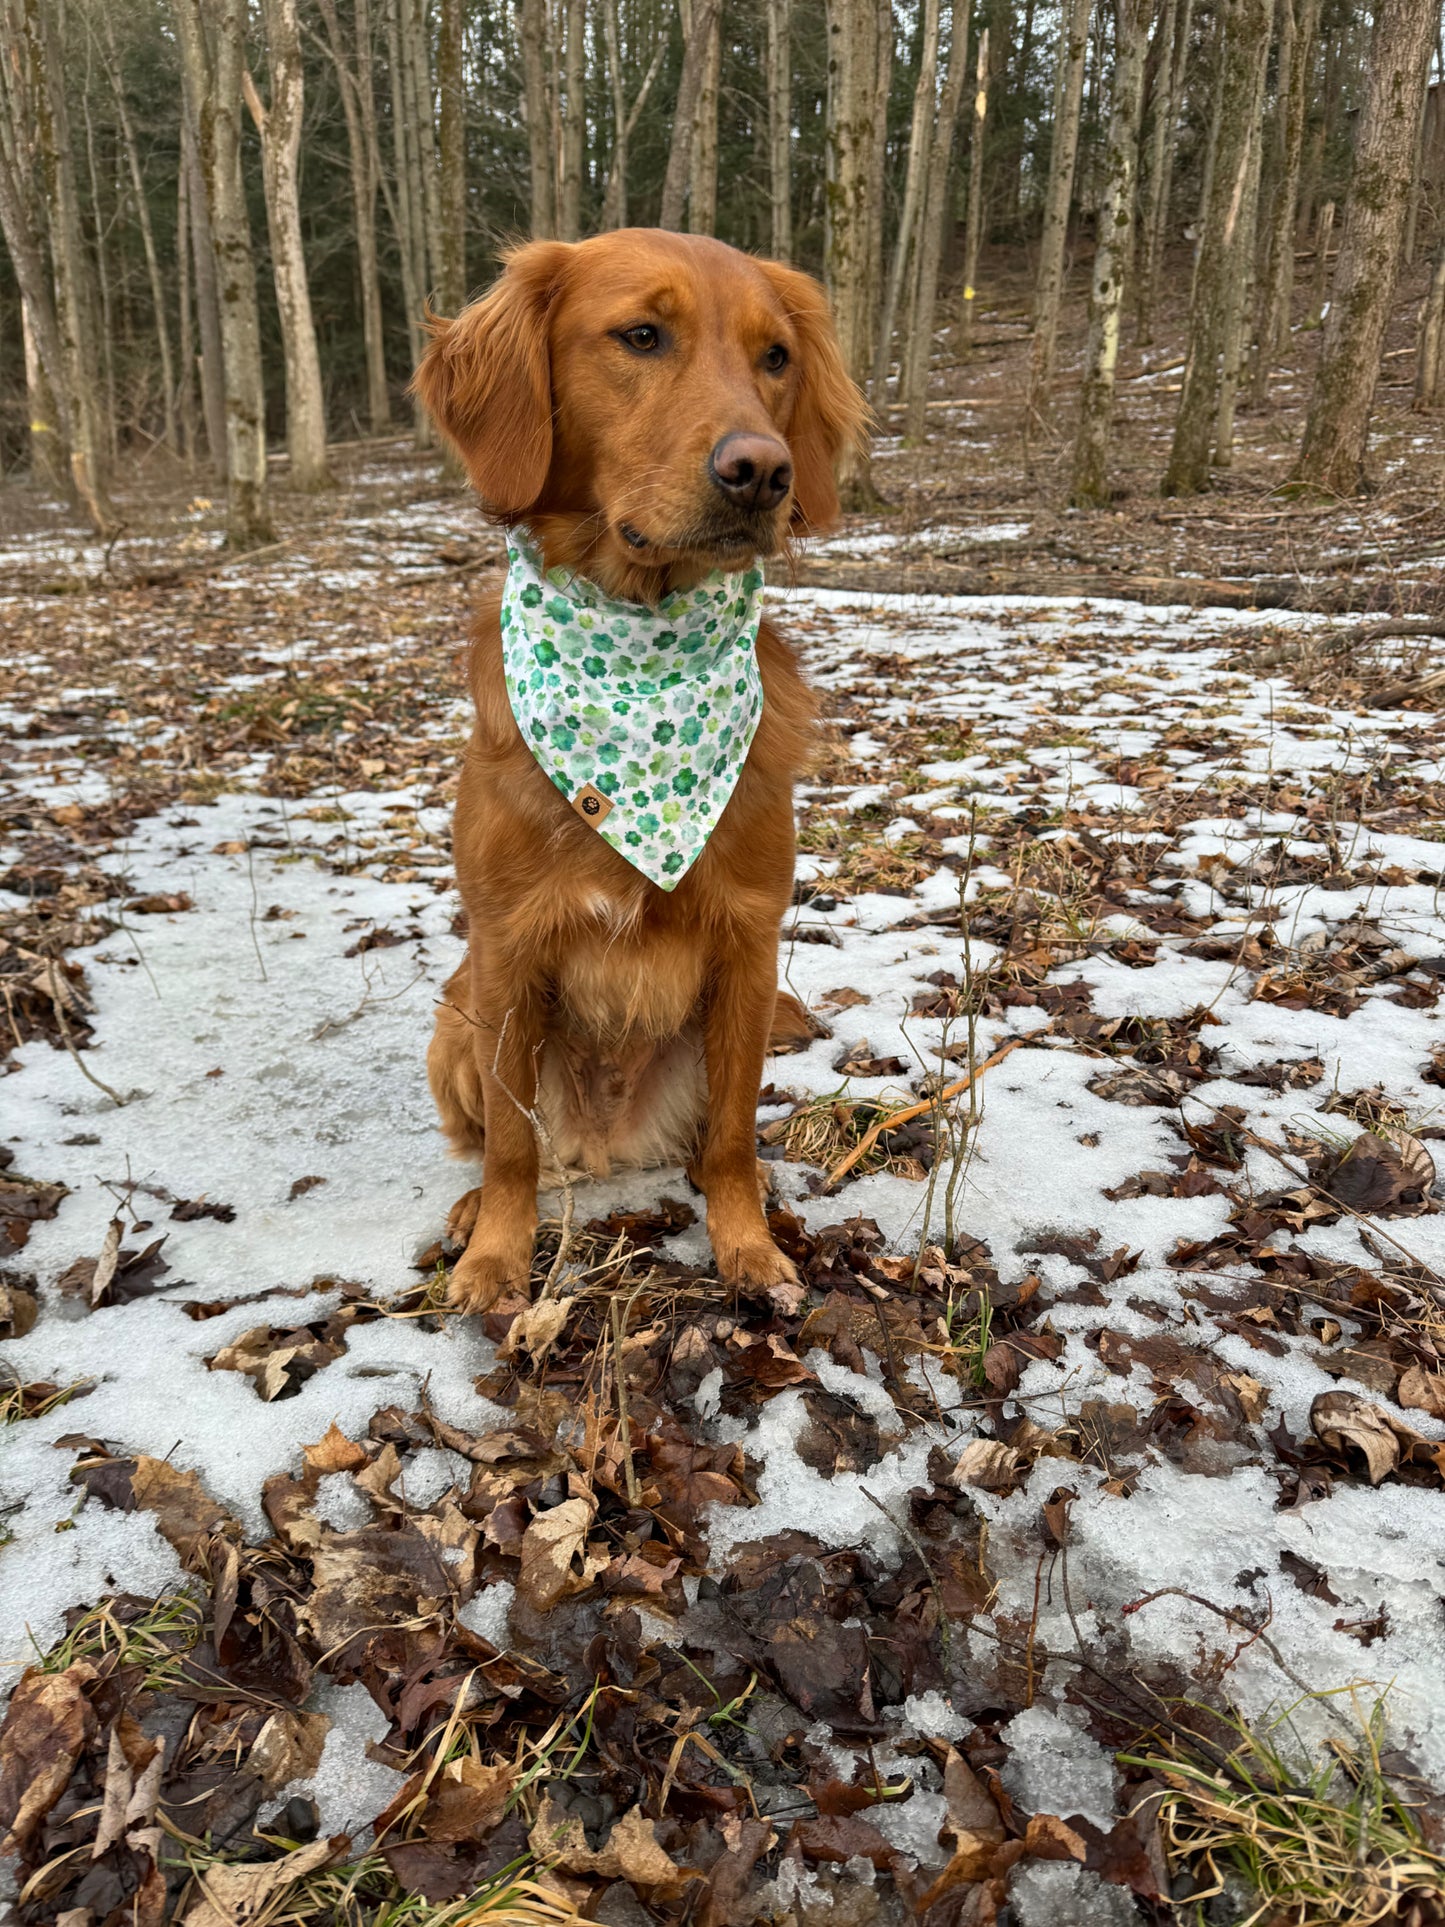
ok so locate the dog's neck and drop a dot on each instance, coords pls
(586, 545)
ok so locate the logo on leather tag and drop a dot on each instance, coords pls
(591, 805)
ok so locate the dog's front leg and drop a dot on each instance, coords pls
(739, 1015)
(507, 1037)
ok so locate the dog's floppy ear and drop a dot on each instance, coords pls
(829, 415)
(486, 378)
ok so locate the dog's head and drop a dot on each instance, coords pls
(655, 405)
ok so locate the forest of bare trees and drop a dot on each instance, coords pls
(223, 220)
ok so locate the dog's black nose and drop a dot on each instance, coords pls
(755, 471)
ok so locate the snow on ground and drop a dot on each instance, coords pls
(1227, 840)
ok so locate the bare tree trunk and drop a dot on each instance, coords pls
(1243, 50)
(852, 105)
(1068, 99)
(780, 127)
(403, 197)
(574, 124)
(211, 35)
(1412, 217)
(358, 103)
(208, 300)
(1430, 352)
(689, 87)
(1332, 455)
(925, 107)
(47, 445)
(1161, 137)
(279, 126)
(539, 124)
(1299, 23)
(452, 131)
(702, 201)
(614, 200)
(97, 281)
(918, 336)
(143, 218)
(973, 218)
(1111, 256)
(1240, 296)
(38, 37)
(883, 26)
(185, 385)
(1320, 289)
(22, 223)
(417, 48)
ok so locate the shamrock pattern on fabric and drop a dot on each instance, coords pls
(655, 708)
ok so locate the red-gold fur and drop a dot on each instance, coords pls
(637, 1021)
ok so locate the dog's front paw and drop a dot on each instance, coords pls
(755, 1266)
(488, 1270)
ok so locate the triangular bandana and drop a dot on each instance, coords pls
(641, 716)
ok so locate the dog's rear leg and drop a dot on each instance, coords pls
(738, 1020)
(506, 1042)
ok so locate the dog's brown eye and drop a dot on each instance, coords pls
(644, 338)
(776, 359)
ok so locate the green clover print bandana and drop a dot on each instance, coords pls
(641, 716)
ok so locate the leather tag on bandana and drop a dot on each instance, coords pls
(591, 805)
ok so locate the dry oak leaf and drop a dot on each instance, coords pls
(1422, 1391)
(988, 1464)
(1341, 1419)
(335, 1452)
(535, 1330)
(631, 1851)
(1047, 1837)
(186, 1515)
(288, 1747)
(468, 1800)
(549, 1545)
(231, 1895)
(45, 1731)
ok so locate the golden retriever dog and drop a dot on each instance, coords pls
(647, 409)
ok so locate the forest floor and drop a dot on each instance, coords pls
(1090, 1500)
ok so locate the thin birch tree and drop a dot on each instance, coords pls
(278, 122)
(1058, 199)
(973, 216)
(211, 37)
(354, 69)
(1111, 257)
(925, 107)
(918, 336)
(780, 127)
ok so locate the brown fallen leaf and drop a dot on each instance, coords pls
(549, 1545)
(46, 1729)
(988, 1464)
(185, 1513)
(535, 1330)
(468, 1800)
(1422, 1391)
(288, 1747)
(278, 1361)
(233, 1895)
(1341, 1419)
(1389, 1173)
(1344, 1418)
(630, 1852)
(334, 1452)
(1047, 1837)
